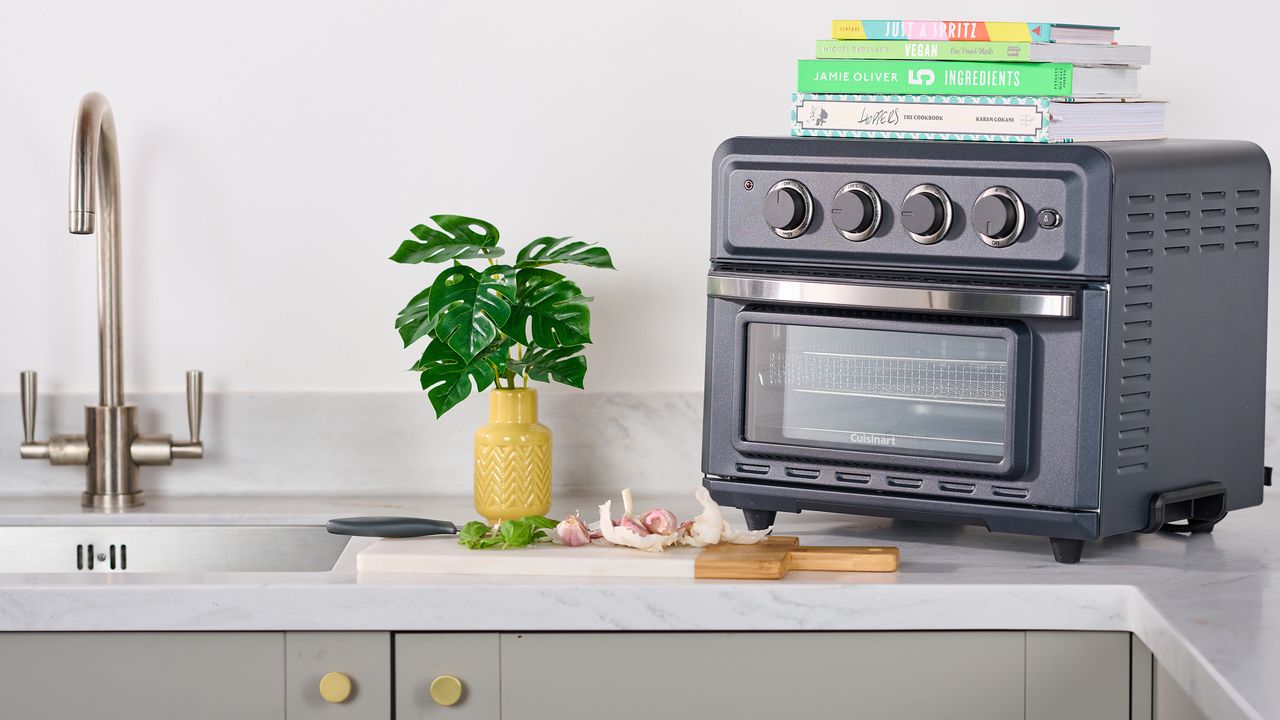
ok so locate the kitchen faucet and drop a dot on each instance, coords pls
(111, 448)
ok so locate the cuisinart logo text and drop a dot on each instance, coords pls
(864, 439)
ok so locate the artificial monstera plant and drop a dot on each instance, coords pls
(498, 324)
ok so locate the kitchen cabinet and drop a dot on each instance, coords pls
(142, 676)
(431, 666)
(884, 675)
(338, 675)
(1036, 675)
(1073, 675)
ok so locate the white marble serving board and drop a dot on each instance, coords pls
(442, 555)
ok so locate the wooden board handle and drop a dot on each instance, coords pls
(844, 559)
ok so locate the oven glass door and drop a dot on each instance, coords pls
(939, 393)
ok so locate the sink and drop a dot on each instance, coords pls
(168, 548)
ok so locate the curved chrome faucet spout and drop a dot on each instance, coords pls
(111, 449)
(95, 190)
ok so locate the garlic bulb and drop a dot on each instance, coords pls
(572, 532)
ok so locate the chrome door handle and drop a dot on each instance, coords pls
(950, 300)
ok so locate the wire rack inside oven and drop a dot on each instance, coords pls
(876, 375)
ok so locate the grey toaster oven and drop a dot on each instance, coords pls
(1059, 340)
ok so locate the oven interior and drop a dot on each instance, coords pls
(928, 392)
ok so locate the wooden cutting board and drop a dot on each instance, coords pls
(768, 560)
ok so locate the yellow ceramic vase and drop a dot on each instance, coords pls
(513, 458)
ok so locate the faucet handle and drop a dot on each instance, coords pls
(193, 449)
(30, 449)
(195, 403)
(28, 407)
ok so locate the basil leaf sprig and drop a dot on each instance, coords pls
(509, 534)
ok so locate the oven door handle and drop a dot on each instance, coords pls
(953, 301)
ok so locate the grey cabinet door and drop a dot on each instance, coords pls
(472, 658)
(887, 676)
(363, 657)
(142, 676)
(1074, 674)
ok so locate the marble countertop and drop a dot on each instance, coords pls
(1208, 606)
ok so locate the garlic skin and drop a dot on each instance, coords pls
(572, 532)
(659, 521)
(710, 527)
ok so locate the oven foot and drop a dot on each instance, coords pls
(759, 519)
(1067, 551)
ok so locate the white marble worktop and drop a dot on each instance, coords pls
(1208, 606)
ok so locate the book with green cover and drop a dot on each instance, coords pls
(907, 77)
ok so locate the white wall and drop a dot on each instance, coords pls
(275, 153)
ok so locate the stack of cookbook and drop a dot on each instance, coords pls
(971, 80)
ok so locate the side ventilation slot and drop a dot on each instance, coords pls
(1176, 227)
(1137, 340)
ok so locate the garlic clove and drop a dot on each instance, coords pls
(623, 534)
(659, 521)
(634, 525)
(572, 532)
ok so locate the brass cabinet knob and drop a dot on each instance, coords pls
(446, 690)
(335, 687)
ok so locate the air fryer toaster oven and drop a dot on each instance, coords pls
(1060, 340)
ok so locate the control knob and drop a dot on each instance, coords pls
(788, 208)
(855, 211)
(926, 214)
(998, 216)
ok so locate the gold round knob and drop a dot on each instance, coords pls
(446, 690)
(335, 687)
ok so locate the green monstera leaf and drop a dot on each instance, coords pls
(564, 365)
(467, 307)
(459, 238)
(447, 378)
(551, 250)
(550, 311)
(415, 322)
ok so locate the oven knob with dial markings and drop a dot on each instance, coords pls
(998, 216)
(855, 211)
(926, 213)
(788, 208)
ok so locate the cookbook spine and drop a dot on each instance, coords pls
(923, 50)
(902, 77)
(962, 30)
(921, 117)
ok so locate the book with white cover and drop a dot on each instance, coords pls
(998, 119)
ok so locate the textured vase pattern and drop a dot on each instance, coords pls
(512, 458)
(513, 481)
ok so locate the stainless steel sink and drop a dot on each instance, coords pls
(167, 548)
